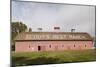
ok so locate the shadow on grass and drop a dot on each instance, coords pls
(24, 61)
(16, 60)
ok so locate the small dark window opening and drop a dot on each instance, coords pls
(29, 46)
(50, 46)
(85, 45)
(62, 45)
(74, 45)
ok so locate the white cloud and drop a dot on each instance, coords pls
(47, 15)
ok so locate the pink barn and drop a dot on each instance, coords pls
(52, 41)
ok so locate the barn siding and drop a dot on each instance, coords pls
(52, 45)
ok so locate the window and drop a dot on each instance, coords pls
(74, 45)
(29, 46)
(62, 45)
(85, 45)
(50, 46)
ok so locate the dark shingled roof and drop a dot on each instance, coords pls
(67, 36)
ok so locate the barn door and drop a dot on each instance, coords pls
(39, 48)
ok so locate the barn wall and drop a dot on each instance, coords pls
(52, 45)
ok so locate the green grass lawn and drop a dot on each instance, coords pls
(52, 57)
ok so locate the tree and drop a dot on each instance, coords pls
(16, 28)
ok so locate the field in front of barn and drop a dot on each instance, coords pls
(52, 57)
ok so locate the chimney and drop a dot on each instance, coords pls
(56, 29)
(39, 29)
(72, 30)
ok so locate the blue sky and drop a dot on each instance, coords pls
(48, 15)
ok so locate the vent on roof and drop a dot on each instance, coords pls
(72, 30)
(56, 28)
(39, 29)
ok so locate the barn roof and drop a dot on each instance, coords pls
(53, 36)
